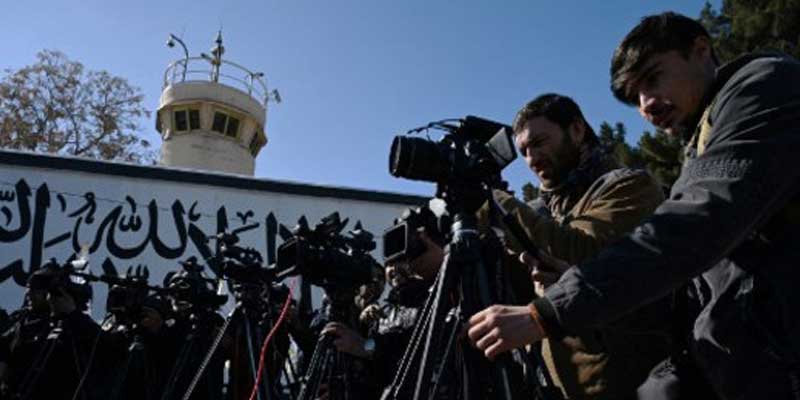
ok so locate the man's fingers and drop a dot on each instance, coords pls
(488, 339)
(478, 317)
(332, 328)
(497, 348)
(477, 331)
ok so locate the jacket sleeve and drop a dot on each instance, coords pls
(617, 210)
(748, 173)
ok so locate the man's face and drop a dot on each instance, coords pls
(549, 150)
(670, 89)
(38, 301)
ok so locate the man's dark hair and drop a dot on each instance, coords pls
(558, 109)
(655, 34)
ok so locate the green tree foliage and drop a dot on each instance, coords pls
(529, 192)
(56, 106)
(662, 155)
(613, 140)
(746, 25)
(659, 153)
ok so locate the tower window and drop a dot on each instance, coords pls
(225, 124)
(233, 127)
(219, 122)
(187, 119)
(194, 119)
(180, 120)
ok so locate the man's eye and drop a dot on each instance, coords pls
(652, 79)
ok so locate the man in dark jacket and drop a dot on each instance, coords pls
(591, 202)
(729, 226)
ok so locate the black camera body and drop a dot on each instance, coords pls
(401, 241)
(190, 289)
(475, 150)
(129, 295)
(325, 257)
(53, 277)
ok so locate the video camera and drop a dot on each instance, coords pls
(401, 241)
(327, 258)
(53, 277)
(474, 150)
(244, 265)
(128, 296)
(190, 289)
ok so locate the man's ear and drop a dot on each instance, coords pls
(702, 48)
(577, 130)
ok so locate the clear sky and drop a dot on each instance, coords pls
(353, 74)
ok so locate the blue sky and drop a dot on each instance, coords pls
(353, 74)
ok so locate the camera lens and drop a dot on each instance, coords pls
(417, 159)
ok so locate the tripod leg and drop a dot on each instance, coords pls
(316, 369)
(455, 319)
(249, 338)
(412, 350)
(447, 277)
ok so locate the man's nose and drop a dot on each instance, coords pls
(533, 157)
(646, 103)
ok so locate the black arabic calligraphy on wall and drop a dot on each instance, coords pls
(24, 216)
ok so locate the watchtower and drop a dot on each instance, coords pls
(212, 113)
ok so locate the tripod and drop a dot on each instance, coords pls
(60, 355)
(250, 318)
(327, 365)
(137, 361)
(466, 284)
(201, 322)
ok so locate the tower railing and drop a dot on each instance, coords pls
(204, 69)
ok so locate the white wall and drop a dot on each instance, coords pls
(112, 213)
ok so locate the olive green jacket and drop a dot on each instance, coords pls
(597, 364)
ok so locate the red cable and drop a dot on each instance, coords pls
(266, 343)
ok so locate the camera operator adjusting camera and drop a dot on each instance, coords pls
(410, 273)
(592, 201)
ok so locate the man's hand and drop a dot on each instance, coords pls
(545, 270)
(372, 313)
(346, 339)
(498, 329)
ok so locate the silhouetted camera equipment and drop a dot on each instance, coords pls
(473, 150)
(241, 264)
(53, 277)
(129, 295)
(326, 257)
(465, 165)
(190, 289)
(401, 242)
